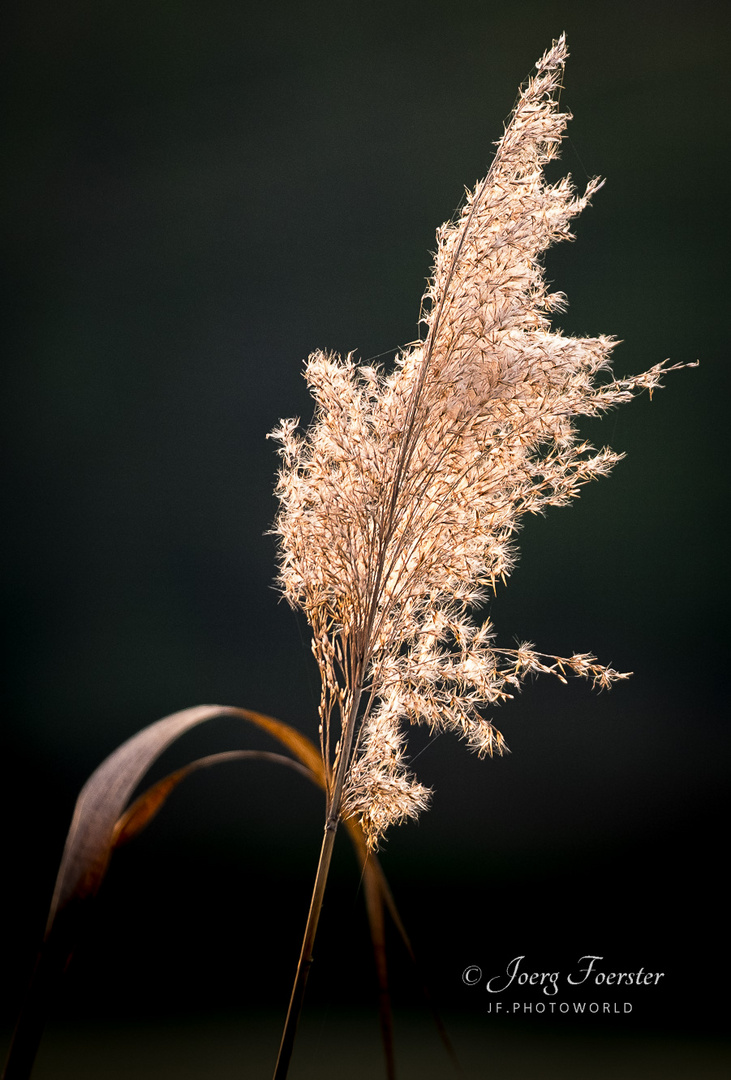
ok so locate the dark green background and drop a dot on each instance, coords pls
(196, 195)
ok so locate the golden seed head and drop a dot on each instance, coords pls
(399, 505)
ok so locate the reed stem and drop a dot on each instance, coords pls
(332, 821)
(305, 960)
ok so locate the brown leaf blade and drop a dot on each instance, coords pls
(106, 793)
(379, 898)
(373, 879)
(101, 822)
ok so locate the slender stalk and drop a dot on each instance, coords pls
(318, 892)
(305, 961)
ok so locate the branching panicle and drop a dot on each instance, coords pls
(400, 505)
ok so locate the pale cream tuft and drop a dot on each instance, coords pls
(400, 503)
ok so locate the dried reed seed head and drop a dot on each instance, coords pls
(400, 503)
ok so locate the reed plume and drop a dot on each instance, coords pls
(400, 503)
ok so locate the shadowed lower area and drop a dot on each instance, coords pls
(333, 1045)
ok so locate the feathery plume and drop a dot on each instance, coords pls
(399, 505)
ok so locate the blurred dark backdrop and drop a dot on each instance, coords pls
(196, 195)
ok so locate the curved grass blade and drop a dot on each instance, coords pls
(104, 797)
(99, 824)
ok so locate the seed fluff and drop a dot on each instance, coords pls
(400, 503)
